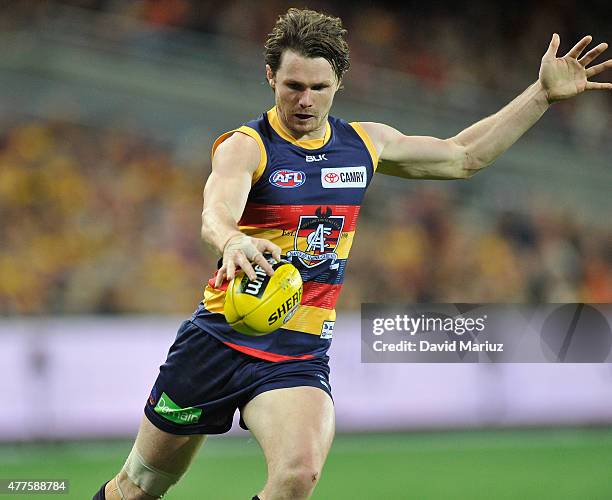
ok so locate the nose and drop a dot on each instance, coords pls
(306, 99)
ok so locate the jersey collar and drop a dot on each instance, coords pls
(276, 124)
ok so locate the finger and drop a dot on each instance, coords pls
(219, 276)
(553, 47)
(230, 270)
(276, 252)
(595, 70)
(579, 47)
(246, 266)
(598, 86)
(592, 54)
(269, 247)
(264, 264)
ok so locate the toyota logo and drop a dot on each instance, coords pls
(331, 177)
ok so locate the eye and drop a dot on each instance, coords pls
(294, 86)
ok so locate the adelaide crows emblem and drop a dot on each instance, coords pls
(317, 237)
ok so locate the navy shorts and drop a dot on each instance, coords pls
(203, 382)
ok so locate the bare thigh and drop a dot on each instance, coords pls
(295, 428)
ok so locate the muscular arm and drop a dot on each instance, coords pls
(225, 195)
(466, 153)
(479, 145)
(227, 189)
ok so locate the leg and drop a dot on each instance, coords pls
(168, 453)
(295, 428)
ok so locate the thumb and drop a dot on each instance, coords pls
(553, 47)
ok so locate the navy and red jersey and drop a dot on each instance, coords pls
(305, 197)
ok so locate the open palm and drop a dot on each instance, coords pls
(567, 76)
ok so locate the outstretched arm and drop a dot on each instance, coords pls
(479, 145)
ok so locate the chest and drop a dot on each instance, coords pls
(336, 175)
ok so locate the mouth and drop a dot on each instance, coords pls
(302, 116)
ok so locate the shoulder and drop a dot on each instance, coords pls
(236, 142)
(379, 133)
(374, 135)
(239, 147)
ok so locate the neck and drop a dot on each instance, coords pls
(317, 133)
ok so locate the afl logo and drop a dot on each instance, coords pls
(287, 178)
(332, 177)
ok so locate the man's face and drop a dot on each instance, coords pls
(304, 89)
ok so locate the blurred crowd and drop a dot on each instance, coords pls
(430, 247)
(96, 221)
(441, 44)
(105, 221)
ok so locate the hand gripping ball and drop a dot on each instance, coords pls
(263, 305)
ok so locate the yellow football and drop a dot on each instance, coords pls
(265, 304)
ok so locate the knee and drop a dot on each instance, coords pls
(297, 481)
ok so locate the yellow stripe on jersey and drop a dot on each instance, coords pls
(368, 142)
(310, 319)
(263, 156)
(214, 299)
(287, 242)
(307, 319)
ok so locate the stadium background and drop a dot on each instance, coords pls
(107, 115)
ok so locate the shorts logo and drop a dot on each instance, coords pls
(317, 237)
(287, 179)
(344, 177)
(327, 331)
(171, 411)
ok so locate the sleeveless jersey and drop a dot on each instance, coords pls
(305, 198)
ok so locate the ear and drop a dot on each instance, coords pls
(270, 76)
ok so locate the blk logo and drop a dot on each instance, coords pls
(315, 158)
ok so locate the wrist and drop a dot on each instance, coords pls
(230, 237)
(541, 94)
